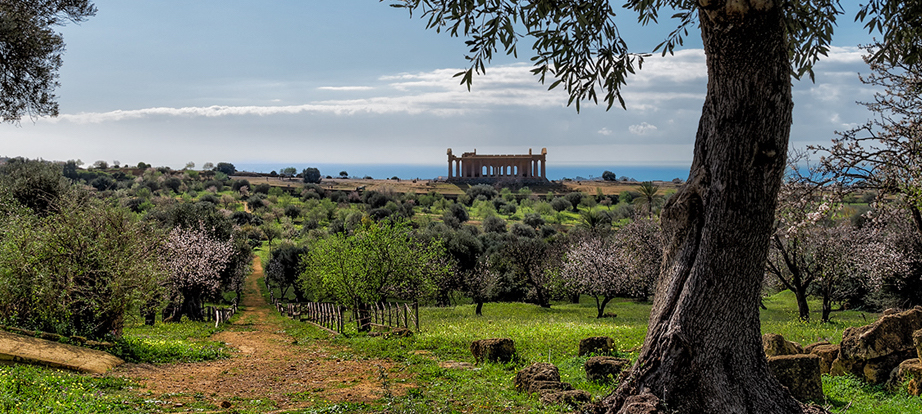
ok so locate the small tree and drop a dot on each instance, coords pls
(285, 268)
(525, 259)
(225, 168)
(574, 198)
(311, 175)
(194, 261)
(609, 176)
(649, 198)
(592, 266)
(343, 174)
(794, 257)
(288, 172)
(379, 260)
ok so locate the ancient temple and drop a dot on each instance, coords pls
(471, 166)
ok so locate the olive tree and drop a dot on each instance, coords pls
(717, 226)
(83, 270)
(31, 52)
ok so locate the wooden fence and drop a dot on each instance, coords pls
(330, 316)
(395, 315)
(215, 314)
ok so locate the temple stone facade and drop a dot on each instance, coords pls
(471, 166)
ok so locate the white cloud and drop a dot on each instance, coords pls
(641, 129)
(605, 131)
(345, 88)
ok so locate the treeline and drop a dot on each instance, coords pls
(78, 261)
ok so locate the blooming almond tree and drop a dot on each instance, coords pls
(794, 257)
(623, 265)
(889, 252)
(593, 267)
(194, 262)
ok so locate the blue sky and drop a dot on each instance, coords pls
(357, 82)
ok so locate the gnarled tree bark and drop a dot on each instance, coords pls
(703, 350)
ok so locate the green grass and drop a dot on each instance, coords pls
(553, 335)
(31, 389)
(848, 394)
(541, 335)
(170, 342)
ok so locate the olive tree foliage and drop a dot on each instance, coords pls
(194, 261)
(717, 227)
(528, 261)
(83, 270)
(885, 152)
(35, 184)
(30, 54)
(311, 175)
(284, 269)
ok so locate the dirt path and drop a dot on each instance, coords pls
(266, 366)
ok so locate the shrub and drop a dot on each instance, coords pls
(522, 230)
(237, 185)
(225, 168)
(292, 211)
(559, 204)
(493, 224)
(33, 183)
(533, 219)
(487, 191)
(262, 188)
(80, 271)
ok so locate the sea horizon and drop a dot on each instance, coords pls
(428, 172)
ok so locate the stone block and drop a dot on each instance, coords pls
(538, 372)
(800, 374)
(776, 345)
(888, 335)
(493, 350)
(809, 348)
(604, 368)
(827, 353)
(596, 345)
(910, 372)
(917, 342)
(575, 398)
(878, 370)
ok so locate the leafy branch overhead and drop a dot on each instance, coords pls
(578, 44)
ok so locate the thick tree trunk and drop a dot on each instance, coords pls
(703, 350)
(479, 310)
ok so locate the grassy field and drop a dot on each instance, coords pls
(541, 335)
